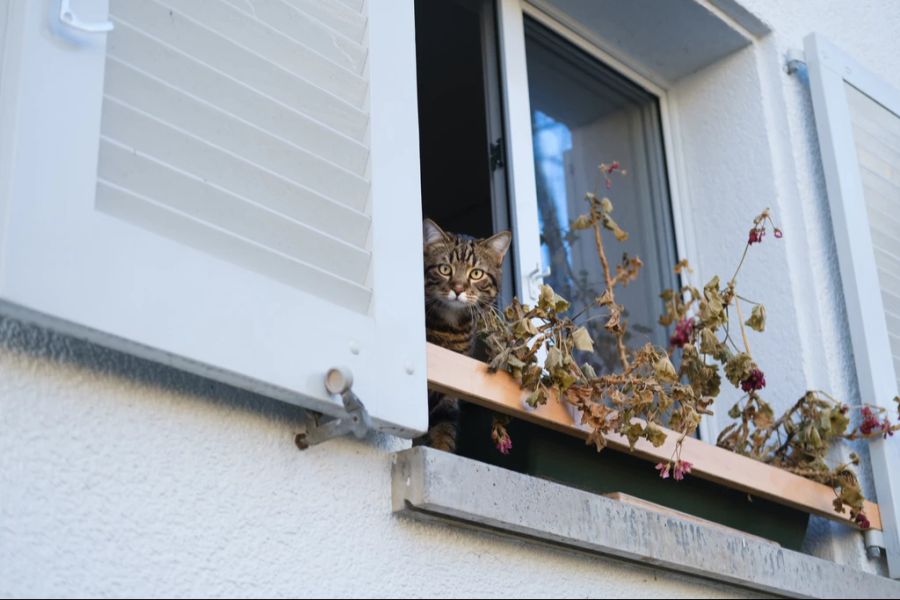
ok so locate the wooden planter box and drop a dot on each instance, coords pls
(785, 499)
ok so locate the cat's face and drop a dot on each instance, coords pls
(462, 273)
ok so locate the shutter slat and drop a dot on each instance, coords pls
(146, 177)
(341, 18)
(201, 119)
(247, 179)
(245, 30)
(147, 214)
(255, 71)
(153, 59)
(304, 29)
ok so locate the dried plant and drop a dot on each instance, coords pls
(645, 392)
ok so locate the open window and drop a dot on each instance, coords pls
(564, 111)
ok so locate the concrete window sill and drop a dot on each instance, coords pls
(429, 484)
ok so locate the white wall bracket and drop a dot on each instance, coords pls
(794, 60)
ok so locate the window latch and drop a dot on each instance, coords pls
(496, 155)
(536, 278)
(356, 421)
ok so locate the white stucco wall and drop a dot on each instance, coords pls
(119, 477)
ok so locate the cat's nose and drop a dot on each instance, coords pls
(458, 288)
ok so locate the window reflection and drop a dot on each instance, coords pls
(583, 113)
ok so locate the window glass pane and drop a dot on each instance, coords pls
(583, 113)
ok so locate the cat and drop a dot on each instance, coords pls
(462, 277)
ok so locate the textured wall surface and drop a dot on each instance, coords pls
(748, 139)
(120, 477)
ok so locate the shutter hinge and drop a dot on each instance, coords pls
(357, 421)
(496, 155)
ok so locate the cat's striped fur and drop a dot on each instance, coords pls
(462, 277)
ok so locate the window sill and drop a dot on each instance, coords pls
(469, 379)
(429, 484)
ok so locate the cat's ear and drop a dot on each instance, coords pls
(499, 244)
(432, 233)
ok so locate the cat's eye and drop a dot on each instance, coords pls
(445, 270)
(476, 274)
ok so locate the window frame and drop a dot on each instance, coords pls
(469, 379)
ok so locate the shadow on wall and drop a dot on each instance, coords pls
(19, 337)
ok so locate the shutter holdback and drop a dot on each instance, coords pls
(338, 382)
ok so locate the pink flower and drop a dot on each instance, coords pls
(777, 233)
(615, 165)
(682, 467)
(663, 469)
(608, 183)
(862, 521)
(756, 380)
(756, 235)
(886, 428)
(683, 330)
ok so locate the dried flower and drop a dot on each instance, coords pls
(887, 428)
(663, 469)
(683, 330)
(862, 521)
(500, 436)
(870, 422)
(756, 235)
(755, 381)
(681, 467)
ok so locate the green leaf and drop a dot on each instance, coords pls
(583, 340)
(735, 411)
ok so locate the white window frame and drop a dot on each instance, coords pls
(830, 70)
(522, 187)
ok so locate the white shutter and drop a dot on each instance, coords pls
(228, 186)
(858, 123)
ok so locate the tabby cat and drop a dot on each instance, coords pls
(462, 277)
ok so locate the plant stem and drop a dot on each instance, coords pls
(737, 305)
(598, 240)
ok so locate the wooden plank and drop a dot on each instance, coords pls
(635, 501)
(470, 380)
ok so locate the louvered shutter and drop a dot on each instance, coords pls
(227, 186)
(858, 123)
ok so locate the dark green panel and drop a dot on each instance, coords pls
(561, 458)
